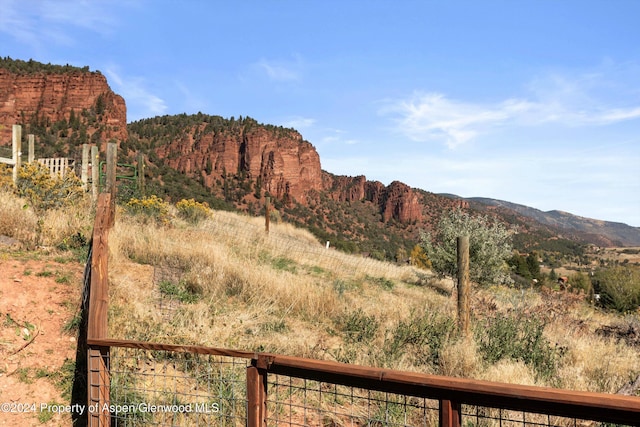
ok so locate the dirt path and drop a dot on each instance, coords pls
(39, 300)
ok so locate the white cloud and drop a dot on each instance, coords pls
(279, 71)
(40, 23)
(579, 102)
(299, 123)
(141, 103)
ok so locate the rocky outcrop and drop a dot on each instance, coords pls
(397, 201)
(280, 163)
(401, 203)
(47, 98)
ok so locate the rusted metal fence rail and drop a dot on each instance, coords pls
(132, 383)
(284, 390)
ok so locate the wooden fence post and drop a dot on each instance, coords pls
(267, 208)
(98, 357)
(112, 159)
(463, 285)
(257, 393)
(84, 172)
(17, 146)
(95, 171)
(32, 144)
(141, 167)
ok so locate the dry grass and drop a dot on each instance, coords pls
(285, 292)
(277, 292)
(50, 228)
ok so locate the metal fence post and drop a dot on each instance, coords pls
(257, 392)
(450, 414)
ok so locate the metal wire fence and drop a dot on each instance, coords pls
(300, 402)
(164, 388)
(480, 416)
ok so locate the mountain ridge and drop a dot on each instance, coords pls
(237, 163)
(622, 233)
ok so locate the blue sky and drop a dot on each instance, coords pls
(534, 102)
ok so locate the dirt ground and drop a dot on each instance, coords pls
(39, 300)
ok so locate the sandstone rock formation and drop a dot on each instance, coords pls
(51, 97)
(282, 163)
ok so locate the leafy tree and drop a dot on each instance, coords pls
(519, 265)
(533, 265)
(619, 288)
(489, 247)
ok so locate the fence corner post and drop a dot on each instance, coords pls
(257, 393)
(450, 414)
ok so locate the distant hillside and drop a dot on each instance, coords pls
(615, 233)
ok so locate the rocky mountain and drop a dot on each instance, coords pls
(61, 105)
(605, 233)
(237, 163)
(266, 161)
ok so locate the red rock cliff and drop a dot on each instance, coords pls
(52, 96)
(397, 201)
(285, 165)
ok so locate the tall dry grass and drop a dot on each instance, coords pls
(50, 228)
(285, 292)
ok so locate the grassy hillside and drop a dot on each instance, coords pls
(186, 274)
(224, 282)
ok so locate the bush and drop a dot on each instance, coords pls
(192, 211)
(6, 178)
(422, 337)
(517, 338)
(43, 191)
(358, 326)
(152, 207)
(619, 288)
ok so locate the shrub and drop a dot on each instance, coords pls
(43, 191)
(581, 282)
(6, 178)
(152, 207)
(619, 288)
(358, 326)
(517, 338)
(192, 211)
(421, 336)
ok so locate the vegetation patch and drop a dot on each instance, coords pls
(518, 338)
(178, 291)
(358, 327)
(421, 338)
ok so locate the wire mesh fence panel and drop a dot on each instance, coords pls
(162, 388)
(480, 416)
(300, 402)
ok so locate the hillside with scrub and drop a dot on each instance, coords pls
(186, 274)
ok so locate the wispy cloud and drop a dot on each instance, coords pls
(39, 23)
(141, 102)
(554, 99)
(299, 123)
(281, 70)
